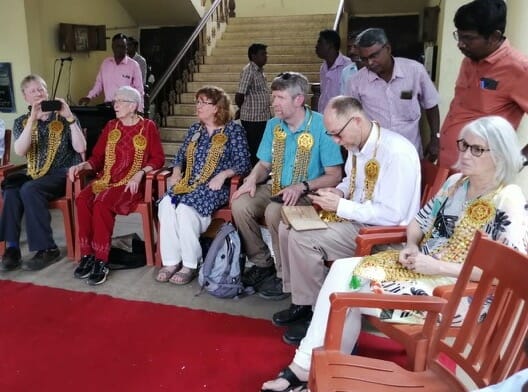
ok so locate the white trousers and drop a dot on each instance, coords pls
(337, 280)
(180, 230)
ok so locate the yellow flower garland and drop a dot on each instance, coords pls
(140, 145)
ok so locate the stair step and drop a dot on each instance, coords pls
(277, 33)
(180, 121)
(170, 149)
(270, 41)
(213, 78)
(173, 134)
(271, 68)
(271, 20)
(272, 50)
(277, 59)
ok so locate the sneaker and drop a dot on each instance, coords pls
(256, 275)
(98, 274)
(272, 289)
(85, 267)
(42, 259)
(10, 259)
(296, 332)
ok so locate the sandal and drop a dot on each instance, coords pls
(294, 383)
(165, 273)
(183, 276)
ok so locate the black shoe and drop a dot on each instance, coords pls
(10, 259)
(296, 332)
(42, 259)
(85, 267)
(256, 275)
(291, 315)
(98, 273)
(271, 288)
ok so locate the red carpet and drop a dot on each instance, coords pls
(60, 340)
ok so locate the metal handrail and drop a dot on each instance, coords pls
(161, 83)
(339, 12)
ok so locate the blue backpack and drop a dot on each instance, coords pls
(221, 271)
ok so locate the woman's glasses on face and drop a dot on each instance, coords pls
(115, 101)
(199, 102)
(475, 149)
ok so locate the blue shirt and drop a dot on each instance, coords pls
(325, 152)
(235, 157)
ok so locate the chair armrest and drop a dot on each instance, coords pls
(161, 179)
(81, 179)
(382, 229)
(150, 190)
(341, 302)
(365, 242)
(233, 186)
(445, 291)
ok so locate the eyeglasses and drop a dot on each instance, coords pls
(121, 101)
(475, 149)
(464, 38)
(373, 56)
(201, 103)
(341, 130)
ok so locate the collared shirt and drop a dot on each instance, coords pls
(65, 157)
(330, 79)
(253, 85)
(324, 153)
(496, 85)
(142, 65)
(396, 104)
(396, 197)
(235, 156)
(112, 76)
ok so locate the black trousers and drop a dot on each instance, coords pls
(254, 132)
(32, 198)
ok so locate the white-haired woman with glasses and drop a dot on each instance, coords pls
(215, 149)
(480, 197)
(127, 149)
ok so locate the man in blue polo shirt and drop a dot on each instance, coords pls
(300, 157)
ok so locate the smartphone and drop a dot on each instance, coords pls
(277, 199)
(51, 106)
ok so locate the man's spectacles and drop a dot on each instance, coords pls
(464, 38)
(373, 56)
(201, 103)
(475, 149)
(341, 130)
(121, 101)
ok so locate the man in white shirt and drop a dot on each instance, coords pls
(132, 52)
(381, 187)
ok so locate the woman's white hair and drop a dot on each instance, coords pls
(502, 141)
(129, 93)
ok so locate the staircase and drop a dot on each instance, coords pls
(291, 47)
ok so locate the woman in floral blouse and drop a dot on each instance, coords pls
(215, 149)
(480, 197)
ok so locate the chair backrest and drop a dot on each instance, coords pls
(7, 148)
(433, 177)
(491, 349)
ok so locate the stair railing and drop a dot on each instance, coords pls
(167, 91)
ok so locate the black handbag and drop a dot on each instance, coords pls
(15, 180)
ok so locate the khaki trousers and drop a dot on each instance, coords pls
(303, 254)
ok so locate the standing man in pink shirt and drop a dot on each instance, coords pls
(115, 72)
(493, 77)
(394, 90)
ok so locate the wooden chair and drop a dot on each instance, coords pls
(223, 213)
(487, 356)
(144, 208)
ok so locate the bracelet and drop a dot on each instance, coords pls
(72, 121)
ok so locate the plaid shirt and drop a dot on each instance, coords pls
(254, 86)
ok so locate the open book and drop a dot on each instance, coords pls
(302, 218)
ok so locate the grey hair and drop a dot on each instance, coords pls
(296, 83)
(370, 37)
(502, 141)
(32, 78)
(344, 105)
(130, 93)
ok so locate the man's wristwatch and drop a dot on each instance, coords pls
(70, 120)
(306, 187)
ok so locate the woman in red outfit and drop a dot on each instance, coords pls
(128, 148)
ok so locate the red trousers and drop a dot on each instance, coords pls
(96, 217)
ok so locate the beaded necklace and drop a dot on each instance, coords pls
(140, 144)
(218, 142)
(305, 142)
(371, 168)
(55, 129)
